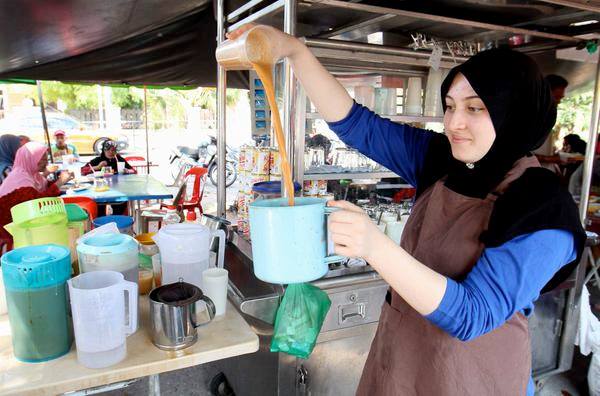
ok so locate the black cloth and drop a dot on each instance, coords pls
(111, 162)
(520, 105)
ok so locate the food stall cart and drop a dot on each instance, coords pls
(380, 48)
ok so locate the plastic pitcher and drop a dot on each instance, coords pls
(290, 243)
(39, 222)
(99, 316)
(35, 278)
(109, 252)
(185, 251)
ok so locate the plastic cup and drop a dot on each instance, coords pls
(214, 284)
(239, 54)
(394, 230)
(121, 167)
(413, 97)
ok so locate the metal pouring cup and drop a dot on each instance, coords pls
(173, 315)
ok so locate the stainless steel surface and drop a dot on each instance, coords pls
(375, 49)
(354, 307)
(246, 7)
(441, 19)
(588, 163)
(221, 124)
(299, 133)
(173, 326)
(289, 91)
(545, 327)
(357, 175)
(276, 6)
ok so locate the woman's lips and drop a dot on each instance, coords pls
(459, 139)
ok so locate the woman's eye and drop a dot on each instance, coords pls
(474, 109)
(449, 107)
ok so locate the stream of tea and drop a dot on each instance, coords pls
(260, 57)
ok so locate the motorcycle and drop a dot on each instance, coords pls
(205, 155)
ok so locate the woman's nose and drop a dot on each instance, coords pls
(457, 121)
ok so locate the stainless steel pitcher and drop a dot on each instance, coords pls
(173, 315)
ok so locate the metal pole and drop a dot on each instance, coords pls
(588, 163)
(146, 125)
(221, 107)
(44, 122)
(289, 89)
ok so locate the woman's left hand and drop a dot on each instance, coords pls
(353, 232)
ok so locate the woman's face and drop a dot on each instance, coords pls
(110, 152)
(467, 122)
(566, 147)
(42, 163)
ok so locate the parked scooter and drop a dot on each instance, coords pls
(205, 155)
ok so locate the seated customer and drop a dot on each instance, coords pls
(27, 181)
(109, 157)
(9, 144)
(60, 146)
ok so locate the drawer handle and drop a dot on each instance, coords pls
(352, 311)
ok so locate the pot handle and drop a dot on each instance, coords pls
(333, 258)
(221, 254)
(210, 307)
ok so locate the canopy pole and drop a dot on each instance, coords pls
(44, 122)
(221, 108)
(146, 125)
(588, 163)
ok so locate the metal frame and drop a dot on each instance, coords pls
(580, 5)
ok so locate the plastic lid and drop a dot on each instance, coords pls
(122, 221)
(37, 212)
(191, 215)
(75, 213)
(145, 238)
(271, 187)
(107, 244)
(35, 267)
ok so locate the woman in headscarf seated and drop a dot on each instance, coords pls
(9, 144)
(27, 181)
(110, 157)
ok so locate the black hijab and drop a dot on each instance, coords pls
(520, 105)
(522, 110)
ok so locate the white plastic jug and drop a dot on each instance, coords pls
(185, 251)
(99, 316)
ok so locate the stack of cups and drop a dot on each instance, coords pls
(412, 105)
(433, 98)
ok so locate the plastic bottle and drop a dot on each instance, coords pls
(171, 217)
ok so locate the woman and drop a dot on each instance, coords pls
(109, 157)
(489, 230)
(9, 144)
(27, 181)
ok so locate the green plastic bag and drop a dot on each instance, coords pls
(299, 319)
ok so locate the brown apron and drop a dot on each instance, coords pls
(412, 356)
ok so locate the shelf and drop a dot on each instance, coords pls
(396, 118)
(356, 175)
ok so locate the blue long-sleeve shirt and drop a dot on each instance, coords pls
(506, 279)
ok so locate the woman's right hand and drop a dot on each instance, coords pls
(282, 44)
(63, 178)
